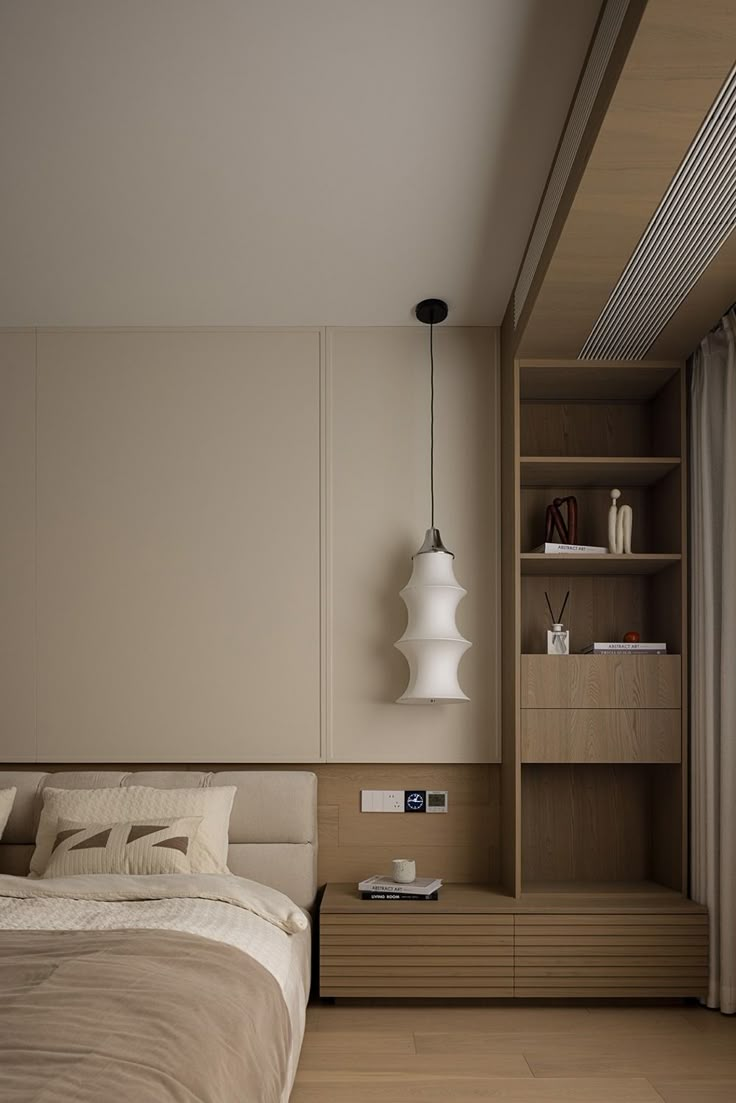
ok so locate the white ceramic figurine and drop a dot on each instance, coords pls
(620, 522)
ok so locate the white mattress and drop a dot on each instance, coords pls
(285, 956)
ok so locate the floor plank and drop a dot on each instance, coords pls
(697, 1091)
(489, 1019)
(451, 1090)
(366, 1062)
(348, 1043)
(673, 1061)
(676, 1040)
(469, 1053)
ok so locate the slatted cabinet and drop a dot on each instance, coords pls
(478, 943)
(610, 955)
(447, 948)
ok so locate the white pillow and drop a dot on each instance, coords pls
(139, 802)
(132, 848)
(7, 796)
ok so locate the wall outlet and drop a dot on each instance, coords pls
(382, 800)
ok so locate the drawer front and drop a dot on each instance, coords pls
(410, 956)
(600, 735)
(601, 681)
(610, 955)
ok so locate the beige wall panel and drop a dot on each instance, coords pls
(179, 536)
(17, 545)
(378, 508)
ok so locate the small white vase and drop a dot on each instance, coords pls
(558, 640)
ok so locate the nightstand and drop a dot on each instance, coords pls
(458, 946)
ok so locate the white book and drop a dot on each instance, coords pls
(601, 648)
(422, 886)
(571, 549)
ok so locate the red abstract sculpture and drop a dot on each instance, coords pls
(567, 529)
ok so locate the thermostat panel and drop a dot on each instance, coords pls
(437, 800)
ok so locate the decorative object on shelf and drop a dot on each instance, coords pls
(407, 890)
(620, 521)
(570, 549)
(632, 637)
(404, 870)
(432, 644)
(558, 637)
(567, 528)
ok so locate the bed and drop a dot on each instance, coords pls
(160, 989)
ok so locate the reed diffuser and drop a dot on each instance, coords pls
(558, 637)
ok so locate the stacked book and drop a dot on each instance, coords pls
(571, 549)
(383, 888)
(625, 649)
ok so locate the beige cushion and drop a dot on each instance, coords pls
(135, 803)
(137, 848)
(7, 796)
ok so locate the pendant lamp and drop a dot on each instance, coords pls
(432, 644)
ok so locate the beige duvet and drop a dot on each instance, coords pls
(137, 1016)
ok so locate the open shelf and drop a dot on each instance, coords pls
(588, 823)
(566, 564)
(586, 471)
(595, 748)
(604, 896)
(589, 381)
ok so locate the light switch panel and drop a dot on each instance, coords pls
(382, 800)
(371, 800)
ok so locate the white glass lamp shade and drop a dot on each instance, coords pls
(431, 644)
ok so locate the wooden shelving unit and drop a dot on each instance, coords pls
(568, 565)
(595, 470)
(594, 771)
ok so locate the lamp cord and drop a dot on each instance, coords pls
(431, 417)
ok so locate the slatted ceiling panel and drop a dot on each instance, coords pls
(590, 84)
(694, 218)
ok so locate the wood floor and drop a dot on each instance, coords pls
(523, 1054)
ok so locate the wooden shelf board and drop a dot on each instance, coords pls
(593, 381)
(605, 896)
(586, 657)
(565, 564)
(549, 897)
(595, 470)
(342, 898)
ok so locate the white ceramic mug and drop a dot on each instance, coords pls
(405, 870)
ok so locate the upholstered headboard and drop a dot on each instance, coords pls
(273, 827)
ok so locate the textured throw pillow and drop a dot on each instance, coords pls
(159, 846)
(133, 803)
(7, 796)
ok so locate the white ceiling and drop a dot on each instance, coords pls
(268, 162)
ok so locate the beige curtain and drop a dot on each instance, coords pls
(713, 663)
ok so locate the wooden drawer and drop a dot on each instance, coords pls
(600, 735)
(460, 955)
(609, 955)
(601, 681)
